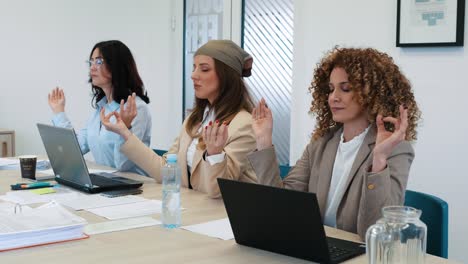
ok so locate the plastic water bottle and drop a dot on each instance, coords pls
(171, 192)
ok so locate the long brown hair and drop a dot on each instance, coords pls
(232, 98)
(379, 84)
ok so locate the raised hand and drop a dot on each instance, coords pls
(262, 125)
(57, 100)
(128, 112)
(215, 136)
(118, 127)
(386, 140)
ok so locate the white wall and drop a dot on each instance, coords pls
(45, 44)
(439, 77)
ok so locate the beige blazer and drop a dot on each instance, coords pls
(365, 193)
(241, 140)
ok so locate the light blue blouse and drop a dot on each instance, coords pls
(105, 145)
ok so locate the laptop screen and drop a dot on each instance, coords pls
(274, 219)
(65, 155)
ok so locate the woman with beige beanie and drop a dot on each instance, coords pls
(217, 135)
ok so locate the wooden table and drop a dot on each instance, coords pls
(156, 244)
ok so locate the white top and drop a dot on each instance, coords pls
(344, 160)
(213, 159)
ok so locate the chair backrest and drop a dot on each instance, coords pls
(284, 170)
(435, 216)
(160, 152)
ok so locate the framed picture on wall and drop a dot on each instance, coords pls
(430, 23)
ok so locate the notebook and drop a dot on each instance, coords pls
(69, 166)
(282, 221)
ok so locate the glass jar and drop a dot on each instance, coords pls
(398, 237)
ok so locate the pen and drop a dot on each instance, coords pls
(25, 186)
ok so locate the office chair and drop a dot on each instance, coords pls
(435, 216)
(160, 152)
(284, 170)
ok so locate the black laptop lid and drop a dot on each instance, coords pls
(274, 219)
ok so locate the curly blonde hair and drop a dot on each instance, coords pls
(379, 85)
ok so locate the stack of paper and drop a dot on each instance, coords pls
(47, 224)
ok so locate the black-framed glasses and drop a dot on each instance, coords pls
(98, 62)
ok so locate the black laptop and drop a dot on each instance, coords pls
(69, 166)
(282, 221)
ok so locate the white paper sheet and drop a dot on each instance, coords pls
(119, 225)
(6, 162)
(70, 198)
(89, 201)
(14, 164)
(218, 229)
(50, 172)
(148, 207)
(27, 197)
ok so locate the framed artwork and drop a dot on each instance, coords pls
(430, 23)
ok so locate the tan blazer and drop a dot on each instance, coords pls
(241, 140)
(365, 193)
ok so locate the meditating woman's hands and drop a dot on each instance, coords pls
(262, 125)
(215, 136)
(386, 140)
(128, 112)
(123, 121)
(57, 100)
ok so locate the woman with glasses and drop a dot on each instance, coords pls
(217, 136)
(116, 86)
(359, 157)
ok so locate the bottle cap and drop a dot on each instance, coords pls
(171, 157)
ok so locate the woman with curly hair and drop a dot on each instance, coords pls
(359, 157)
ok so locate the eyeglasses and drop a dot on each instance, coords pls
(98, 62)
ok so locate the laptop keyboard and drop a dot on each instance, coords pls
(337, 254)
(102, 181)
(340, 250)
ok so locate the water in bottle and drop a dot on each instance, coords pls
(171, 192)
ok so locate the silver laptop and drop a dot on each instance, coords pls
(69, 166)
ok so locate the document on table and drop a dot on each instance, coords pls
(70, 198)
(218, 229)
(90, 201)
(119, 225)
(7, 162)
(13, 164)
(29, 197)
(46, 224)
(148, 207)
(50, 172)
